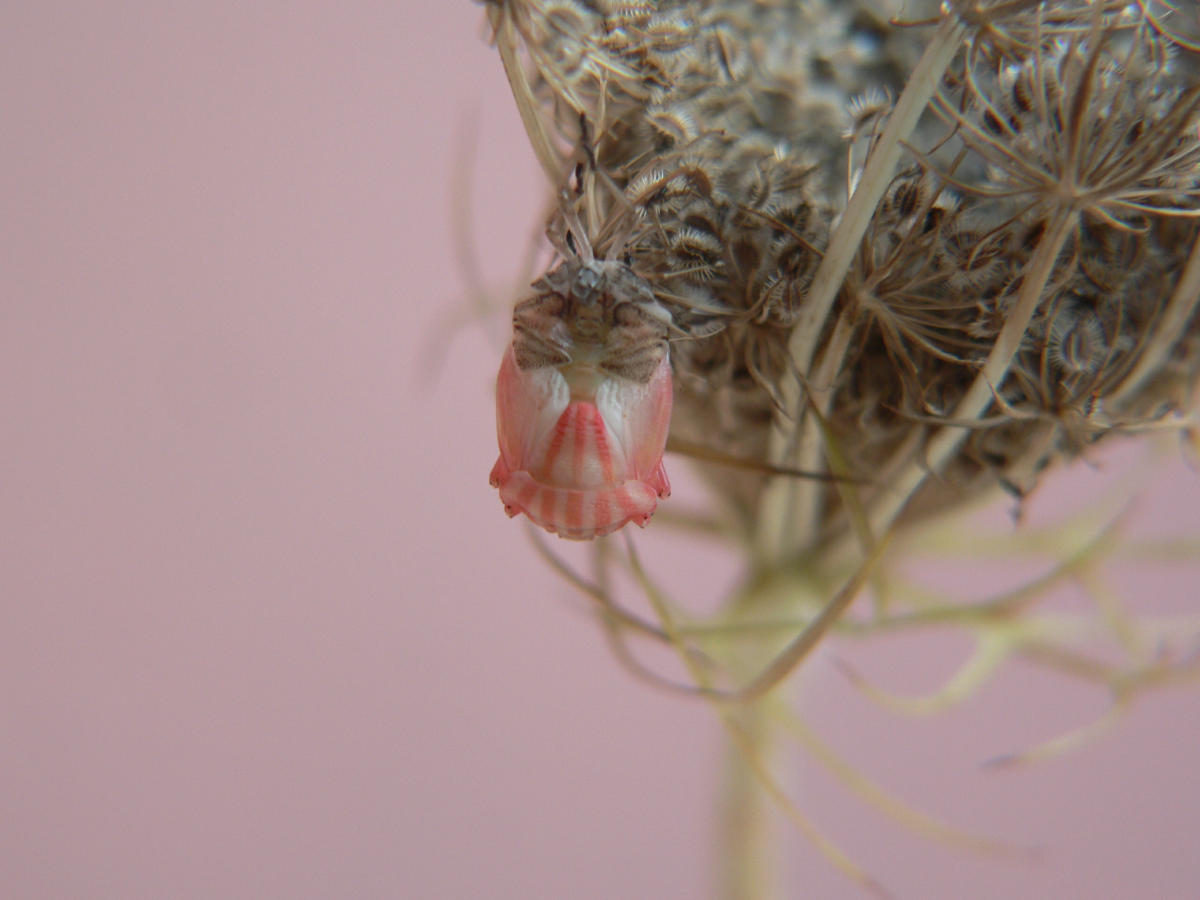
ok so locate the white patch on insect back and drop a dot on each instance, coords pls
(589, 467)
(533, 401)
(638, 414)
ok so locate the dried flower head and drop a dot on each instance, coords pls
(878, 308)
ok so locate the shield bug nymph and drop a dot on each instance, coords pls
(583, 401)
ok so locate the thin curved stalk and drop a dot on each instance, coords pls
(1167, 330)
(891, 500)
(774, 538)
(531, 116)
(797, 522)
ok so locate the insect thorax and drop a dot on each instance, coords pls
(596, 315)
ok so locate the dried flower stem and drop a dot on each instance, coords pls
(752, 791)
(788, 503)
(890, 806)
(810, 444)
(1168, 330)
(745, 838)
(890, 503)
(531, 117)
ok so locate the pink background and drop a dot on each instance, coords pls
(265, 630)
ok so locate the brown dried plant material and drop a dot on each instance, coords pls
(1054, 177)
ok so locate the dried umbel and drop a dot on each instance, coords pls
(898, 264)
(1009, 282)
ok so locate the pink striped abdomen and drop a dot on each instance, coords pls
(578, 513)
(580, 467)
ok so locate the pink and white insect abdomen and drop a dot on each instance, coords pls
(580, 450)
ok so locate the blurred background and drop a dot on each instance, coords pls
(265, 630)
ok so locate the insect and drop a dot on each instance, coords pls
(583, 399)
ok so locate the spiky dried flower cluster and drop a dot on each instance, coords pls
(713, 146)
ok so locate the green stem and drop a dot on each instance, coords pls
(744, 837)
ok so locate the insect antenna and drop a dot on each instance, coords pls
(623, 225)
(568, 236)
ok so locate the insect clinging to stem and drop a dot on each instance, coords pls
(583, 398)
